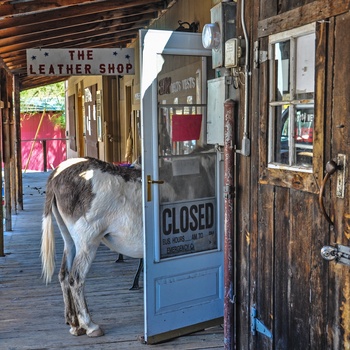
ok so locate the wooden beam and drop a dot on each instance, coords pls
(44, 38)
(71, 12)
(73, 39)
(103, 19)
(10, 8)
(309, 13)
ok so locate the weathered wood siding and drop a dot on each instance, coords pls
(303, 299)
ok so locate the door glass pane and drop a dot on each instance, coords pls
(294, 148)
(303, 134)
(282, 134)
(282, 70)
(186, 163)
(305, 67)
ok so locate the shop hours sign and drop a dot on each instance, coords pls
(187, 227)
(80, 62)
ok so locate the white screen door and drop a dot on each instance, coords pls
(183, 269)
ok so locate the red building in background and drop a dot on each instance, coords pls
(43, 141)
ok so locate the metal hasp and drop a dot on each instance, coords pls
(259, 55)
(257, 325)
(339, 253)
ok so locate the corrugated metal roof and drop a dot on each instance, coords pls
(39, 104)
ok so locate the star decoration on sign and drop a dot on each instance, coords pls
(46, 54)
(33, 58)
(115, 53)
(127, 57)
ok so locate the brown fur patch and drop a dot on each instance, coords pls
(74, 192)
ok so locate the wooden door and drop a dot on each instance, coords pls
(337, 203)
(91, 135)
(290, 297)
(72, 123)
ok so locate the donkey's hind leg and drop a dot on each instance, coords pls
(70, 311)
(66, 266)
(81, 266)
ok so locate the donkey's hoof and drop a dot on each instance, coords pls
(96, 333)
(77, 331)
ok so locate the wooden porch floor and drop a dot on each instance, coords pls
(32, 313)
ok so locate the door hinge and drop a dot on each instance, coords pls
(259, 55)
(338, 253)
(257, 325)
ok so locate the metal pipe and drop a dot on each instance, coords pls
(245, 148)
(228, 224)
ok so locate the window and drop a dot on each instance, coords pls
(292, 94)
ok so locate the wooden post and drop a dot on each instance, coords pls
(18, 143)
(6, 149)
(44, 155)
(12, 130)
(2, 252)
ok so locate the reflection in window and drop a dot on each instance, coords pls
(184, 158)
(292, 79)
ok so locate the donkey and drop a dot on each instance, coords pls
(93, 202)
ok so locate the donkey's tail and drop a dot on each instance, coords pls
(48, 240)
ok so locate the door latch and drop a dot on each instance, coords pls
(149, 185)
(341, 162)
(331, 167)
(338, 253)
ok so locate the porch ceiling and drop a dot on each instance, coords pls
(28, 24)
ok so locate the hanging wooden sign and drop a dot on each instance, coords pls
(80, 62)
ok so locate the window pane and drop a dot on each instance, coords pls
(282, 69)
(303, 134)
(305, 67)
(292, 99)
(282, 135)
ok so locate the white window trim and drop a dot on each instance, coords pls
(273, 39)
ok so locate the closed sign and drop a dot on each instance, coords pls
(188, 227)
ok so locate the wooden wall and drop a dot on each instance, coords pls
(280, 231)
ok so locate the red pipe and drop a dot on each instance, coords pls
(228, 224)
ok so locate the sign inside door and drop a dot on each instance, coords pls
(187, 227)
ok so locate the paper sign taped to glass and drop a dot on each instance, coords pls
(186, 127)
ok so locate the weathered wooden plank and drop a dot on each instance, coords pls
(300, 308)
(339, 208)
(291, 179)
(265, 259)
(312, 12)
(281, 267)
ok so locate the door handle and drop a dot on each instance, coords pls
(149, 186)
(331, 168)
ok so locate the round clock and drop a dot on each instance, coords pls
(211, 36)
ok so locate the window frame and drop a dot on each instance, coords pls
(284, 175)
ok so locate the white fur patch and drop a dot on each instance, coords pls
(67, 163)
